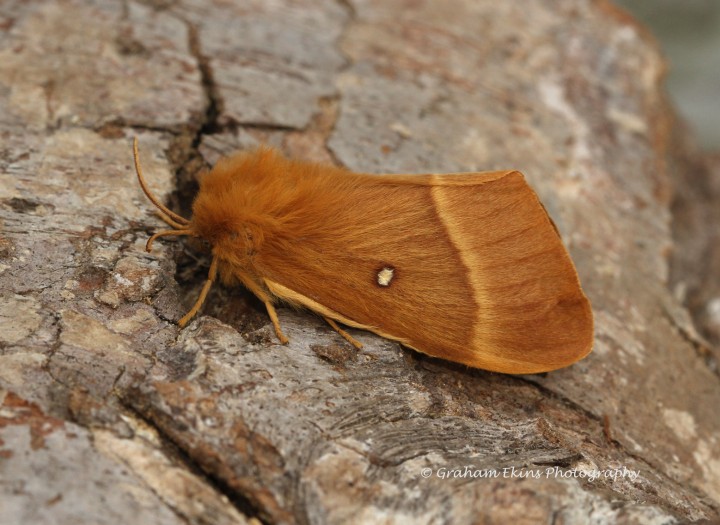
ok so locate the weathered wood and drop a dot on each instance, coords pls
(109, 412)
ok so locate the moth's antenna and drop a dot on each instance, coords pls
(176, 221)
(166, 233)
(171, 222)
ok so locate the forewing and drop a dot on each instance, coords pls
(479, 274)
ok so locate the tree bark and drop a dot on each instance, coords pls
(110, 413)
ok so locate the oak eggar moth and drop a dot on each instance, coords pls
(466, 267)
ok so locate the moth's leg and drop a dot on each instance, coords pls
(276, 322)
(212, 274)
(251, 285)
(350, 339)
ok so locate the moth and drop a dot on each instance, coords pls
(467, 267)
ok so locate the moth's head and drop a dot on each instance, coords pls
(231, 238)
(220, 214)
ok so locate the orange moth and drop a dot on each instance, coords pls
(467, 267)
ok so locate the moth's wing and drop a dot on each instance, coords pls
(481, 276)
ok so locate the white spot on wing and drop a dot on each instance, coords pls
(385, 275)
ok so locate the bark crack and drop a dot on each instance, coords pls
(215, 102)
(175, 450)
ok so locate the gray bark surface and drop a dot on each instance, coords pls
(109, 413)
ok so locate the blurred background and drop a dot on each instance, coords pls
(689, 33)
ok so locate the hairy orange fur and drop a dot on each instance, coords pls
(479, 273)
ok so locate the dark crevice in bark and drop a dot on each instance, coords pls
(214, 100)
(134, 402)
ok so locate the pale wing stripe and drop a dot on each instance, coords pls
(470, 257)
